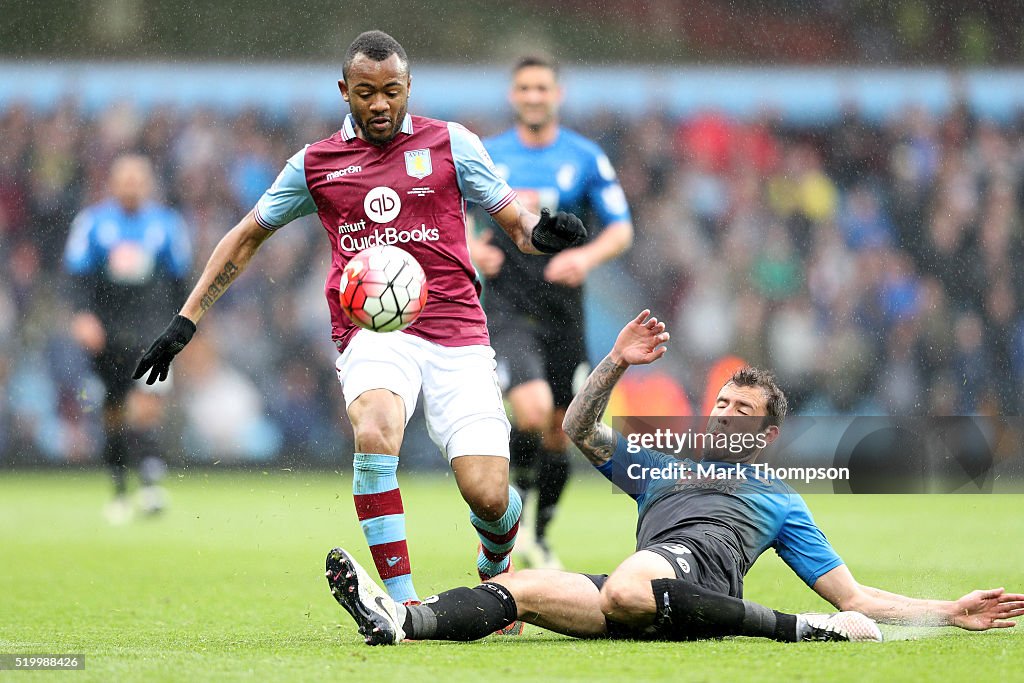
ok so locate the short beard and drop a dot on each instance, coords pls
(536, 127)
(395, 130)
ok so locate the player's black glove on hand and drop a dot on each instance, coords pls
(157, 360)
(555, 233)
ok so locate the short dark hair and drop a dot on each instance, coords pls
(538, 59)
(376, 45)
(776, 406)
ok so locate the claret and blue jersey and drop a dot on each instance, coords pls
(411, 192)
(729, 502)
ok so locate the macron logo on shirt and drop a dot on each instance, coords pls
(334, 175)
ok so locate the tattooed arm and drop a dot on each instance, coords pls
(230, 257)
(637, 344)
(582, 422)
(518, 223)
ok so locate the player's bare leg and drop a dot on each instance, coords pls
(559, 601)
(643, 591)
(378, 421)
(532, 405)
(495, 509)
(483, 483)
(626, 596)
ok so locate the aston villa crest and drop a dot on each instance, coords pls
(417, 163)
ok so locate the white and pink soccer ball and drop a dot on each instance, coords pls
(383, 289)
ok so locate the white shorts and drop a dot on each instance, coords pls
(461, 398)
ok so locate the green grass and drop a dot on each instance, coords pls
(229, 584)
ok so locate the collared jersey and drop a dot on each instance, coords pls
(412, 193)
(746, 513)
(129, 267)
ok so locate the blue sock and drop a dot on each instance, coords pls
(497, 538)
(379, 507)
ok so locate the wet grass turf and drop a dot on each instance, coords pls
(229, 585)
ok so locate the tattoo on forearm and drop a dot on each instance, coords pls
(583, 418)
(219, 286)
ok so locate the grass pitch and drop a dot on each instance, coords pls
(229, 585)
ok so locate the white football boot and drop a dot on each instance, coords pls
(851, 626)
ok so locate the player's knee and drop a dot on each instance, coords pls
(555, 440)
(488, 504)
(626, 601)
(377, 436)
(533, 418)
(532, 406)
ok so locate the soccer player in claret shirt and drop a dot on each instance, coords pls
(127, 258)
(391, 178)
(696, 538)
(535, 305)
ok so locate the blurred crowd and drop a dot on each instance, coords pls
(868, 263)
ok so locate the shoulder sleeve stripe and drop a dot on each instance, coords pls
(505, 201)
(288, 198)
(478, 180)
(261, 220)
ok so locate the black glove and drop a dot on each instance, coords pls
(553, 234)
(164, 349)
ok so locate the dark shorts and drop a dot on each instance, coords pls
(705, 562)
(114, 366)
(527, 349)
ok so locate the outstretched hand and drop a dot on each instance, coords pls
(157, 360)
(984, 609)
(639, 341)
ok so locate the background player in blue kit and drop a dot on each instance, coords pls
(127, 258)
(535, 305)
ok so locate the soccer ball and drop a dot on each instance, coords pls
(383, 289)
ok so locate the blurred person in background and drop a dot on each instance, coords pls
(127, 258)
(535, 305)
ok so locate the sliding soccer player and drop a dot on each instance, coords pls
(696, 539)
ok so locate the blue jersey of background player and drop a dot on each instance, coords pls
(555, 168)
(126, 258)
(535, 305)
